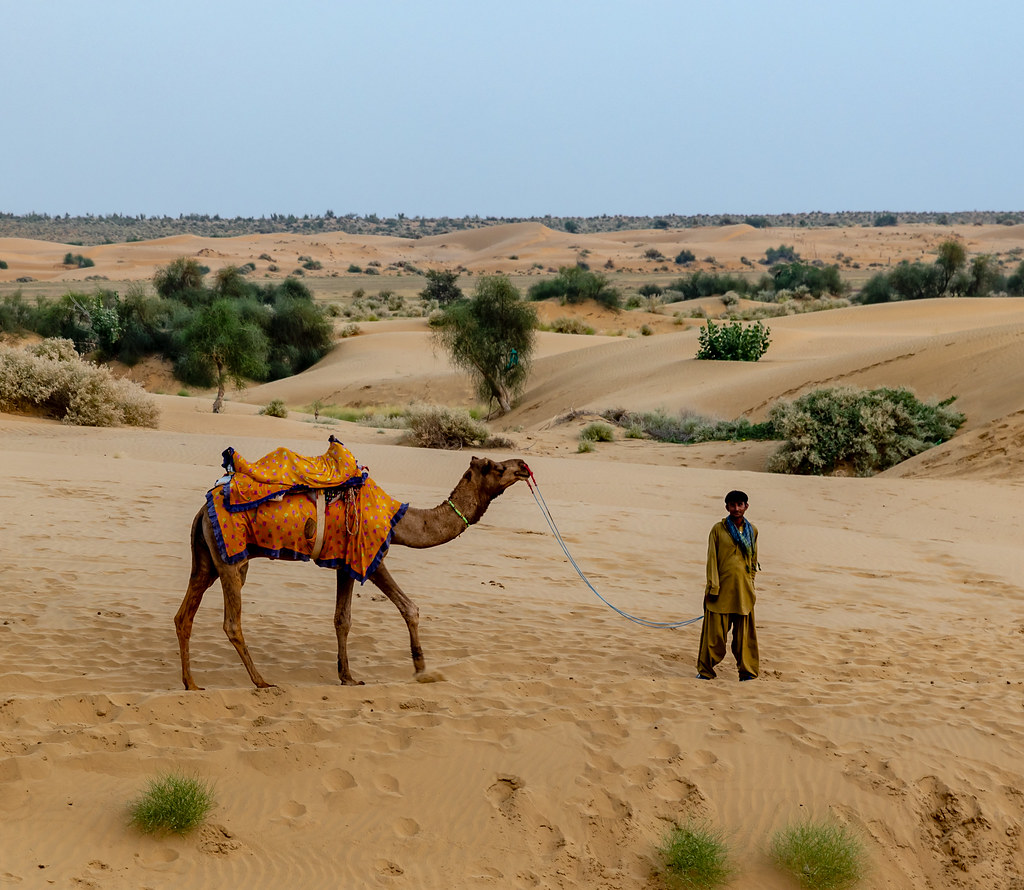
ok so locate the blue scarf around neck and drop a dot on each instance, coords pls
(744, 539)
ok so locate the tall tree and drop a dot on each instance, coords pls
(951, 259)
(217, 336)
(492, 336)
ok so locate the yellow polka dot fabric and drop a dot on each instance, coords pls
(257, 515)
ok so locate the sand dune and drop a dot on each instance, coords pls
(564, 740)
(514, 248)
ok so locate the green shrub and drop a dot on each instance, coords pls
(687, 428)
(172, 803)
(708, 284)
(76, 259)
(585, 446)
(784, 253)
(685, 257)
(821, 856)
(52, 379)
(597, 432)
(442, 286)
(276, 408)
(575, 284)
(3, 264)
(886, 219)
(732, 342)
(565, 325)
(862, 432)
(439, 427)
(696, 858)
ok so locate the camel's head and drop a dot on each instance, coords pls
(495, 477)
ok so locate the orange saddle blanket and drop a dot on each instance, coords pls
(268, 508)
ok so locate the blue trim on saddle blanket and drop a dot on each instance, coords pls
(253, 551)
(354, 482)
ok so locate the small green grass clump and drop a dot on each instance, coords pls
(821, 856)
(172, 803)
(597, 432)
(696, 857)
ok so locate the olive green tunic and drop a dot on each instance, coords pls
(730, 587)
(729, 605)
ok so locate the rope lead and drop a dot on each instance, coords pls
(539, 498)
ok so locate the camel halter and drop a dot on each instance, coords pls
(645, 622)
(459, 512)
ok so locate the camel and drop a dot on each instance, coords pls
(419, 528)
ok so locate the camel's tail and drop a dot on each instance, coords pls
(202, 559)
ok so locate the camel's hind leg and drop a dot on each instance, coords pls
(383, 580)
(204, 573)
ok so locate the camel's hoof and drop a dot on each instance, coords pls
(351, 682)
(429, 677)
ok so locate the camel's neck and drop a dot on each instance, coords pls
(446, 521)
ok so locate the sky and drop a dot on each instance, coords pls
(512, 109)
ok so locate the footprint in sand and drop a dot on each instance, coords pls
(339, 780)
(407, 827)
(386, 784)
(158, 858)
(293, 810)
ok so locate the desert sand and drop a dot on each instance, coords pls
(564, 740)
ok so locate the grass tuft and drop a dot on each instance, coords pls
(597, 432)
(696, 857)
(172, 803)
(821, 856)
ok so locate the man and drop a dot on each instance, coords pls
(729, 596)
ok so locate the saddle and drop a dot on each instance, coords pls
(288, 506)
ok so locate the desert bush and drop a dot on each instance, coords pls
(784, 253)
(685, 257)
(57, 383)
(821, 856)
(886, 219)
(172, 803)
(57, 348)
(708, 284)
(818, 281)
(76, 259)
(686, 427)
(442, 286)
(597, 432)
(575, 284)
(566, 325)
(733, 342)
(449, 428)
(16, 315)
(696, 857)
(843, 429)
(276, 408)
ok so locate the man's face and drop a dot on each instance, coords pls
(736, 511)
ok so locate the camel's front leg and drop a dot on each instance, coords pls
(342, 624)
(231, 579)
(382, 578)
